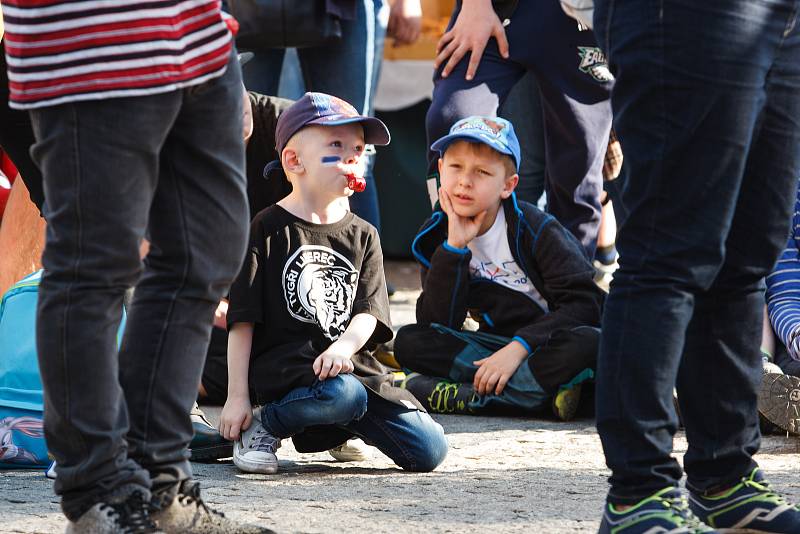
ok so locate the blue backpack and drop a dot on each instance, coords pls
(22, 443)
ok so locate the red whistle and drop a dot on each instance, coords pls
(356, 183)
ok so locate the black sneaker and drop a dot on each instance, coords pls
(207, 443)
(664, 512)
(749, 506)
(188, 514)
(131, 515)
(440, 396)
(779, 401)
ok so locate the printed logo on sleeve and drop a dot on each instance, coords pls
(594, 63)
(319, 286)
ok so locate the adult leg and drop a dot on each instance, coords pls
(197, 230)
(685, 114)
(524, 109)
(99, 182)
(575, 86)
(262, 73)
(722, 367)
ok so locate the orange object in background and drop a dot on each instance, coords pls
(435, 16)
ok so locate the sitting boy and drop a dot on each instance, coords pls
(309, 306)
(517, 272)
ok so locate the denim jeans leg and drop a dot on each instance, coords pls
(723, 436)
(687, 104)
(99, 180)
(335, 401)
(411, 438)
(198, 233)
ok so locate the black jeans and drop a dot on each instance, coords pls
(169, 166)
(706, 105)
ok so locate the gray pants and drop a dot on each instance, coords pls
(169, 167)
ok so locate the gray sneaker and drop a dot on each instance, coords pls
(128, 516)
(254, 451)
(188, 514)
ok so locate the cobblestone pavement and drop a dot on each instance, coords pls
(504, 474)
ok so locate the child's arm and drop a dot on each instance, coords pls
(445, 283)
(237, 412)
(336, 359)
(495, 371)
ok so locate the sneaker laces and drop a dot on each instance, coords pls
(679, 505)
(132, 514)
(189, 494)
(766, 492)
(264, 441)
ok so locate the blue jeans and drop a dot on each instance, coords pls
(348, 69)
(115, 171)
(706, 104)
(329, 412)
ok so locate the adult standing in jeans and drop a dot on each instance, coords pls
(359, 53)
(122, 122)
(706, 103)
(487, 48)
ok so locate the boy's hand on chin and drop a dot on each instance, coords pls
(236, 416)
(495, 371)
(460, 230)
(332, 362)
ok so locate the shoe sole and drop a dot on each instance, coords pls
(211, 452)
(259, 468)
(779, 401)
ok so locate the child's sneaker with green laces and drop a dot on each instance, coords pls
(749, 506)
(664, 512)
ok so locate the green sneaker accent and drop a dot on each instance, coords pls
(666, 511)
(440, 396)
(566, 401)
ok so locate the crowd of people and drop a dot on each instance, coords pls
(240, 233)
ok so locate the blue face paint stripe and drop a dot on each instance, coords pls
(330, 160)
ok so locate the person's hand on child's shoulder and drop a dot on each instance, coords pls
(236, 416)
(333, 362)
(495, 371)
(460, 230)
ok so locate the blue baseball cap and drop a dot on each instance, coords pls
(496, 132)
(323, 110)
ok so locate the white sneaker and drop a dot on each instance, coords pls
(254, 451)
(352, 450)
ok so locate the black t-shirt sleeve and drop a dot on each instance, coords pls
(247, 291)
(371, 294)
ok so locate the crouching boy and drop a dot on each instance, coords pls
(516, 271)
(309, 305)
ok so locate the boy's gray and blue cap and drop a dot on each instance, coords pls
(324, 110)
(496, 132)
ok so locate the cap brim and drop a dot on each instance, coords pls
(273, 170)
(440, 145)
(375, 131)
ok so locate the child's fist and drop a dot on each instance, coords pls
(330, 363)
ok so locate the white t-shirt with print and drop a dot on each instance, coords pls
(492, 260)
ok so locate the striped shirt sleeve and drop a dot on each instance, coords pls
(783, 290)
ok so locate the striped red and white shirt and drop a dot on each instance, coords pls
(67, 50)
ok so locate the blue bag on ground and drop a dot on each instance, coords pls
(22, 443)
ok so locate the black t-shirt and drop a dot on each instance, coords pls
(300, 285)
